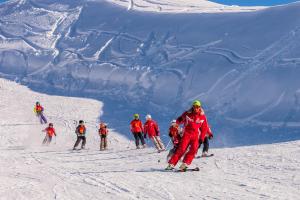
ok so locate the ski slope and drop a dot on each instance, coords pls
(157, 56)
(31, 171)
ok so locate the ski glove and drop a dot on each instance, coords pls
(145, 136)
(210, 137)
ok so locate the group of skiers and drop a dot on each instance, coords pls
(150, 128)
(80, 130)
(186, 140)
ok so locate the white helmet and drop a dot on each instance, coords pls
(148, 116)
(173, 121)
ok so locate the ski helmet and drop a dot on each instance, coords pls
(50, 124)
(81, 121)
(197, 103)
(37, 103)
(148, 116)
(173, 121)
(136, 116)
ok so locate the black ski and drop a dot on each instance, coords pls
(196, 169)
(209, 155)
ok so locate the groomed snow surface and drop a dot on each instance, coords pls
(31, 171)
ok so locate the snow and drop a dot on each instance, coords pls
(33, 171)
(158, 56)
(182, 6)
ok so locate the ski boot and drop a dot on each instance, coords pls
(170, 167)
(183, 167)
(204, 154)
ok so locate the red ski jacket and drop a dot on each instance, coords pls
(50, 131)
(151, 128)
(136, 126)
(194, 123)
(38, 109)
(103, 130)
(174, 134)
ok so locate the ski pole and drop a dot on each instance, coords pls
(168, 144)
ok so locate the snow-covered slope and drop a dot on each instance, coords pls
(243, 66)
(31, 171)
(184, 6)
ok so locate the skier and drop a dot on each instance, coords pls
(38, 110)
(103, 131)
(175, 135)
(80, 131)
(194, 120)
(136, 128)
(151, 128)
(208, 136)
(50, 131)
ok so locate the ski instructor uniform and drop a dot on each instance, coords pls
(195, 124)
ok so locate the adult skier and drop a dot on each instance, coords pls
(39, 111)
(151, 128)
(136, 128)
(194, 120)
(208, 136)
(103, 131)
(175, 135)
(80, 132)
(50, 131)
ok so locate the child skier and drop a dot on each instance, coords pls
(175, 135)
(80, 131)
(50, 131)
(194, 120)
(208, 136)
(151, 128)
(136, 128)
(38, 110)
(103, 131)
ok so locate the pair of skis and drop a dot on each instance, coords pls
(196, 169)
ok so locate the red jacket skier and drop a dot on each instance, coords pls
(174, 133)
(151, 128)
(136, 127)
(195, 123)
(50, 131)
(103, 131)
(39, 111)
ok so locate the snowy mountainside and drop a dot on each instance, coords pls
(243, 66)
(31, 171)
(185, 6)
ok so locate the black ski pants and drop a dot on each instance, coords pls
(138, 136)
(79, 138)
(205, 144)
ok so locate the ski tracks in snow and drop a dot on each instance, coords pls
(57, 172)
